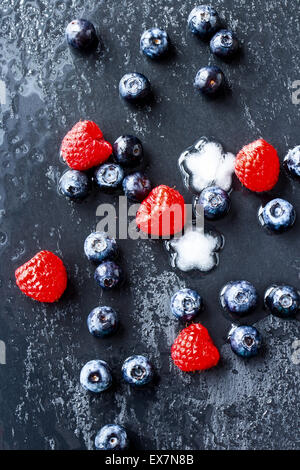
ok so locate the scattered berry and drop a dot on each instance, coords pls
(257, 166)
(43, 277)
(162, 213)
(239, 297)
(194, 350)
(154, 43)
(136, 186)
(99, 246)
(134, 87)
(128, 150)
(209, 80)
(137, 371)
(282, 301)
(215, 202)
(224, 44)
(245, 341)
(204, 21)
(109, 176)
(84, 146)
(186, 304)
(108, 275)
(277, 215)
(81, 35)
(102, 321)
(74, 184)
(95, 376)
(292, 162)
(112, 437)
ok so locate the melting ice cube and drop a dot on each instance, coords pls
(195, 249)
(206, 164)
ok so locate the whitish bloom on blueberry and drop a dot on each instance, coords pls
(81, 35)
(95, 376)
(204, 21)
(224, 44)
(209, 80)
(239, 297)
(214, 201)
(277, 215)
(102, 321)
(74, 184)
(154, 42)
(134, 86)
(195, 249)
(111, 437)
(137, 370)
(245, 341)
(99, 246)
(292, 162)
(282, 301)
(186, 304)
(206, 164)
(109, 176)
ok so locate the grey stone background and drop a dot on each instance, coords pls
(237, 405)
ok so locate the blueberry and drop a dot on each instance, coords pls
(209, 80)
(134, 87)
(99, 246)
(95, 376)
(224, 44)
(204, 21)
(137, 371)
(277, 215)
(282, 301)
(245, 341)
(108, 275)
(111, 437)
(109, 176)
(128, 150)
(81, 35)
(136, 187)
(292, 162)
(239, 297)
(154, 43)
(102, 321)
(186, 304)
(74, 184)
(215, 202)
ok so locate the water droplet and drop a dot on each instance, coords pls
(3, 238)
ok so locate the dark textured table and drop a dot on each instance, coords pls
(239, 404)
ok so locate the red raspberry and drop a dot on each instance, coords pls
(162, 213)
(84, 146)
(257, 166)
(43, 277)
(193, 349)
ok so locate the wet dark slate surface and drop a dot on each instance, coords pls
(238, 405)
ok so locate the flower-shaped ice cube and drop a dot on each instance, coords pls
(206, 164)
(195, 249)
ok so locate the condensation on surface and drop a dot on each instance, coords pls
(238, 405)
